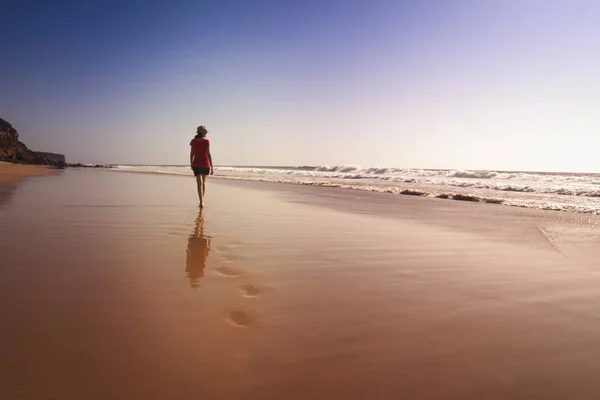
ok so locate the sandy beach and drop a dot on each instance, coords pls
(115, 286)
(15, 172)
(11, 174)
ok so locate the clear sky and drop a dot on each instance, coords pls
(466, 84)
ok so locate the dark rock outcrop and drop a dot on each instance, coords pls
(12, 150)
(58, 158)
(80, 165)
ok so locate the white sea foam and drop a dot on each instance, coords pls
(472, 174)
(569, 192)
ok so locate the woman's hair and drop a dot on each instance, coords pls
(201, 132)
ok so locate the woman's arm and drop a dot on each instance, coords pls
(212, 166)
(191, 156)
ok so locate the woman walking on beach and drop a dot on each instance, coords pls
(201, 160)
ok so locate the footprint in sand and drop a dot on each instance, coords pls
(250, 290)
(240, 318)
(228, 271)
(231, 258)
(224, 248)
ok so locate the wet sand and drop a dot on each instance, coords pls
(114, 286)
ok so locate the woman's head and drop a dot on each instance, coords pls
(201, 132)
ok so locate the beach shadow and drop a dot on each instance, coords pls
(198, 249)
(7, 191)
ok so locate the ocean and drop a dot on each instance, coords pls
(574, 192)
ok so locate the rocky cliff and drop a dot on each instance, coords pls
(58, 158)
(11, 149)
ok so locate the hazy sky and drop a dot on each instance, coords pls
(486, 84)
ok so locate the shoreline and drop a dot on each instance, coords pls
(572, 234)
(433, 194)
(430, 193)
(392, 204)
(12, 173)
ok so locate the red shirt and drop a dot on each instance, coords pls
(200, 150)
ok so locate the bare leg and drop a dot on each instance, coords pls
(204, 186)
(200, 183)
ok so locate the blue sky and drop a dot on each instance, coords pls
(482, 84)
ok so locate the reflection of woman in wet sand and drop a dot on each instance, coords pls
(197, 252)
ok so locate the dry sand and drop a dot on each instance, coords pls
(114, 286)
(15, 172)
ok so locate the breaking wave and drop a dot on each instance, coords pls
(556, 191)
(472, 175)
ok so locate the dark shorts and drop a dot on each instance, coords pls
(201, 171)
